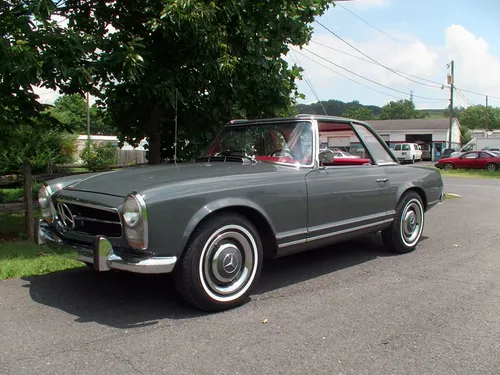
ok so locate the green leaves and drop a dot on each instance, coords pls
(402, 109)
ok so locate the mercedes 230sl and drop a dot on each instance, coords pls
(262, 189)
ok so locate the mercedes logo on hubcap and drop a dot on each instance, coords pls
(65, 216)
(230, 263)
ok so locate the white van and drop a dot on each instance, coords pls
(408, 152)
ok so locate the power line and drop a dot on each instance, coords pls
(463, 97)
(348, 78)
(379, 30)
(375, 61)
(375, 82)
(477, 93)
(371, 62)
(309, 83)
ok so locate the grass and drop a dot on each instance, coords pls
(20, 257)
(24, 258)
(451, 196)
(471, 173)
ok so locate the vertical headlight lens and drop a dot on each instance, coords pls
(136, 221)
(44, 201)
(131, 211)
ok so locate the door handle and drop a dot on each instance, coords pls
(382, 179)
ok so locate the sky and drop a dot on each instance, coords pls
(407, 37)
(413, 37)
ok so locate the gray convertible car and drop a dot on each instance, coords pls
(261, 189)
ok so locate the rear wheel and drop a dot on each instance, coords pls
(492, 167)
(449, 166)
(406, 229)
(221, 264)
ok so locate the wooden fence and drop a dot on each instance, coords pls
(28, 204)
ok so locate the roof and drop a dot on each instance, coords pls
(411, 124)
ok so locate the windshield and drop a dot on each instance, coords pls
(284, 142)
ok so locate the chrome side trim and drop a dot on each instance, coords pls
(366, 226)
(336, 233)
(351, 221)
(292, 243)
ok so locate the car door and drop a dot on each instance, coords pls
(482, 161)
(347, 198)
(468, 160)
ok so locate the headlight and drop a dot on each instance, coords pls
(131, 211)
(44, 201)
(136, 221)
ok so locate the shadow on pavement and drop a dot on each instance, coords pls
(125, 300)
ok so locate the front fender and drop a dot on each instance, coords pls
(220, 204)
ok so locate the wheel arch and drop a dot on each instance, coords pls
(251, 211)
(417, 189)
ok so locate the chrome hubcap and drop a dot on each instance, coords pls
(411, 223)
(228, 263)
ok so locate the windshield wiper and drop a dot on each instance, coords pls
(225, 159)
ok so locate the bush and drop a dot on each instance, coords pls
(37, 144)
(97, 157)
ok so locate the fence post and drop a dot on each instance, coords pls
(28, 199)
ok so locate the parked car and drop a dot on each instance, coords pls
(447, 152)
(261, 189)
(341, 154)
(408, 152)
(472, 160)
(426, 151)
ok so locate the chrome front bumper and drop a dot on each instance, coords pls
(101, 254)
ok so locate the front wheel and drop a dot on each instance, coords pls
(492, 167)
(449, 167)
(406, 229)
(221, 264)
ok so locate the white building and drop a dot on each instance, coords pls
(479, 133)
(431, 134)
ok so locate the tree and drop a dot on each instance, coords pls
(71, 110)
(358, 113)
(36, 51)
(402, 109)
(474, 117)
(210, 60)
(146, 58)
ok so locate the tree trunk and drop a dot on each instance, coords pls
(154, 156)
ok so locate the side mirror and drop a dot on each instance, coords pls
(326, 156)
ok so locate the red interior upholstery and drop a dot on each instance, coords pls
(336, 161)
(349, 161)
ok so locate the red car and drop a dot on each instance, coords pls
(472, 160)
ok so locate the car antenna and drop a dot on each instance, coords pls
(175, 131)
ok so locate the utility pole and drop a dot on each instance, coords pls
(486, 115)
(88, 116)
(451, 80)
(411, 96)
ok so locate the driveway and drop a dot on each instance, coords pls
(352, 309)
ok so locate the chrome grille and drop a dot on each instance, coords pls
(88, 219)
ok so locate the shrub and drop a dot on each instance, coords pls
(97, 157)
(37, 144)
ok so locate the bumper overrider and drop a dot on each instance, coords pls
(101, 254)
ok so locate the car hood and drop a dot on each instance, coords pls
(123, 181)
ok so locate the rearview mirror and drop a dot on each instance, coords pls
(326, 156)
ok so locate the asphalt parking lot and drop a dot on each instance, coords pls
(352, 309)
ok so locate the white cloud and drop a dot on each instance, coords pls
(476, 69)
